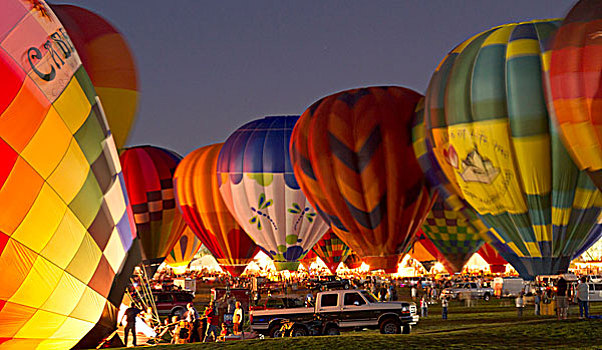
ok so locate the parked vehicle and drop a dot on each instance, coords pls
(173, 302)
(595, 291)
(279, 302)
(347, 309)
(508, 286)
(468, 288)
(328, 282)
(315, 327)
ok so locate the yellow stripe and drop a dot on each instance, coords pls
(533, 159)
(545, 60)
(584, 144)
(533, 249)
(561, 216)
(585, 198)
(500, 36)
(543, 232)
(522, 47)
(515, 249)
(497, 235)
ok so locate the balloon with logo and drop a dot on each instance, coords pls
(108, 61)
(260, 190)
(331, 250)
(575, 75)
(352, 155)
(353, 261)
(148, 173)
(65, 230)
(198, 198)
(496, 262)
(183, 252)
(487, 122)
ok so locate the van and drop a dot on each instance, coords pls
(507, 286)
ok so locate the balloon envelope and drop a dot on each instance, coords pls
(496, 262)
(488, 125)
(575, 76)
(353, 261)
(148, 173)
(331, 250)
(109, 62)
(352, 155)
(183, 252)
(260, 190)
(64, 224)
(206, 213)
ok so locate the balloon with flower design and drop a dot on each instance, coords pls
(257, 183)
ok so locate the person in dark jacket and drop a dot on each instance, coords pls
(130, 319)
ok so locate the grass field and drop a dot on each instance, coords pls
(492, 325)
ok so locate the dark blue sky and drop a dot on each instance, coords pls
(207, 67)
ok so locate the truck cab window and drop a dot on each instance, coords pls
(330, 300)
(352, 299)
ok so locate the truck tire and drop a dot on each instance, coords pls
(332, 330)
(299, 331)
(274, 331)
(177, 311)
(406, 329)
(390, 326)
(487, 296)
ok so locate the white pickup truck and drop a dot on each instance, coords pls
(343, 310)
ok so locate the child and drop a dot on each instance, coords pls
(520, 303)
(223, 333)
(444, 304)
(424, 306)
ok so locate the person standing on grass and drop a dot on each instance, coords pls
(562, 306)
(444, 304)
(424, 306)
(237, 318)
(212, 322)
(130, 318)
(413, 291)
(537, 301)
(583, 298)
(520, 303)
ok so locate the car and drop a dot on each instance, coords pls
(463, 289)
(172, 303)
(328, 282)
(279, 302)
(595, 291)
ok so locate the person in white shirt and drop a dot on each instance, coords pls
(237, 318)
(583, 298)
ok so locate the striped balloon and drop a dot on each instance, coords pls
(184, 250)
(331, 250)
(148, 173)
(352, 155)
(496, 262)
(575, 76)
(201, 204)
(490, 132)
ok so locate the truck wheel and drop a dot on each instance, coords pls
(390, 326)
(406, 329)
(332, 330)
(275, 332)
(299, 331)
(178, 311)
(486, 297)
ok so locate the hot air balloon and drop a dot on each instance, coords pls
(331, 250)
(183, 252)
(575, 75)
(497, 264)
(308, 259)
(109, 62)
(64, 224)
(148, 173)
(260, 190)
(206, 213)
(352, 155)
(423, 250)
(353, 261)
(488, 125)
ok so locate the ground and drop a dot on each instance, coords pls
(491, 325)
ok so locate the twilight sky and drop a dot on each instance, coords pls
(207, 67)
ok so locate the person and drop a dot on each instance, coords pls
(537, 301)
(413, 291)
(130, 319)
(192, 317)
(394, 296)
(212, 322)
(520, 303)
(237, 318)
(223, 333)
(424, 306)
(583, 298)
(444, 304)
(562, 307)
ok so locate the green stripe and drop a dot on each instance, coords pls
(489, 84)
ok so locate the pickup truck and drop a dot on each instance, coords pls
(341, 310)
(328, 282)
(465, 288)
